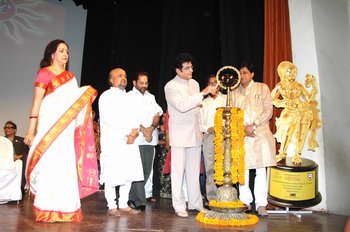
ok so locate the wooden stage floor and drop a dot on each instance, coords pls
(158, 216)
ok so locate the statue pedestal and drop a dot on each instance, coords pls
(294, 186)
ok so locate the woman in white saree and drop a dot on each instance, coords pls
(61, 166)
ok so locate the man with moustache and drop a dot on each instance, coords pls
(255, 100)
(120, 156)
(150, 113)
(183, 99)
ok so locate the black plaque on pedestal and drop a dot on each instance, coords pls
(294, 186)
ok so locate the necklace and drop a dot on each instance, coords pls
(56, 70)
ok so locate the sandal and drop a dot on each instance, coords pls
(114, 212)
(129, 210)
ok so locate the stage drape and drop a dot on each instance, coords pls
(242, 34)
(147, 35)
(193, 27)
(277, 46)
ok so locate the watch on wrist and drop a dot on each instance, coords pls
(254, 126)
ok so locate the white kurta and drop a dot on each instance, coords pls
(256, 102)
(148, 108)
(208, 110)
(120, 162)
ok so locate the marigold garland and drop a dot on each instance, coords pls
(219, 156)
(234, 148)
(231, 204)
(241, 166)
(237, 146)
(252, 219)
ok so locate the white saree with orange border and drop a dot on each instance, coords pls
(62, 165)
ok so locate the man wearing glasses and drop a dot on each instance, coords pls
(19, 147)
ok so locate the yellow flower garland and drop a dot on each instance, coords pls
(241, 166)
(237, 146)
(231, 204)
(234, 147)
(219, 154)
(252, 219)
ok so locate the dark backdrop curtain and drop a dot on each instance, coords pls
(193, 27)
(146, 35)
(242, 34)
(124, 34)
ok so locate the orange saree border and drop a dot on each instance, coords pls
(58, 127)
(54, 216)
(58, 81)
(41, 85)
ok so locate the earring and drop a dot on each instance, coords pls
(64, 66)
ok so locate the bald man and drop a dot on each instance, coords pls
(120, 156)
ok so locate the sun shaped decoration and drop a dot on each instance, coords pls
(18, 14)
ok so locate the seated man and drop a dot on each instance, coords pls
(20, 148)
(10, 173)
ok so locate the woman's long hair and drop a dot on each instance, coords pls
(49, 50)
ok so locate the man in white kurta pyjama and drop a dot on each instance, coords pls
(120, 156)
(255, 100)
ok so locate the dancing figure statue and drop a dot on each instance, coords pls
(300, 113)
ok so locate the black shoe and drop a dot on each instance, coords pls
(206, 205)
(141, 207)
(132, 204)
(151, 199)
(192, 211)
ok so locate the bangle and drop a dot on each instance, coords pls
(33, 116)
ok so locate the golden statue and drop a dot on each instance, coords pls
(300, 113)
